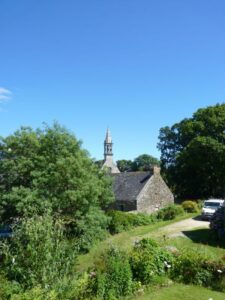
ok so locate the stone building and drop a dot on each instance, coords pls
(136, 191)
(141, 191)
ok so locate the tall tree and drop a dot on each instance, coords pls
(46, 169)
(193, 154)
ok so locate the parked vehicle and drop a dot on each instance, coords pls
(210, 207)
(5, 231)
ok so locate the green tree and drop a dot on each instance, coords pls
(125, 165)
(144, 162)
(193, 154)
(47, 169)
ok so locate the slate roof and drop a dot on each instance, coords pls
(128, 185)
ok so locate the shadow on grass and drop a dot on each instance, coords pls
(204, 236)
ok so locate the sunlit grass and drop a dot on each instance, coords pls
(123, 240)
(180, 292)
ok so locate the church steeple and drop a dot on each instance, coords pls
(108, 144)
(108, 154)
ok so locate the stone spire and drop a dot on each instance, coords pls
(108, 144)
(108, 154)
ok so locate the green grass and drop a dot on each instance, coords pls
(123, 240)
(180, 292)
(200, 240)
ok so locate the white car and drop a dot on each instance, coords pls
(210, 206)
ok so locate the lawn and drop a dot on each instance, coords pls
(200, 240)
(123, 240)
(180, 292)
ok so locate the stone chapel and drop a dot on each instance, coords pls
(136, 191)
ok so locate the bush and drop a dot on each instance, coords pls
(76, 288)
(36, 293)
(121, 221)
(90, 229)
(193, 268)
(190, 206)
(38, 253)
(148, 261)
(170, 212)
(113, 277)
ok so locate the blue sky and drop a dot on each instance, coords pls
(134, 66)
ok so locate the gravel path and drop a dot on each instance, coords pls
(176, 229)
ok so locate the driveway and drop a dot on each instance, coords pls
(176, 229)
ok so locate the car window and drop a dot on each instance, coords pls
(212, 204)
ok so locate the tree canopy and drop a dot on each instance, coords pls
(193, 154)
(46, 169)
(141, 163)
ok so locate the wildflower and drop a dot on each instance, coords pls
(168, 266)
(219, 271)
(13, 260)
(92, 274)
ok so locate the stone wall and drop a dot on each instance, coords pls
(155, 195)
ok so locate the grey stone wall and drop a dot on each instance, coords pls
(155, 195)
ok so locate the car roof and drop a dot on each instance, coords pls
(214, 200)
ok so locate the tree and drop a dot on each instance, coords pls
(46, 169)
(125, 165)
(193, 154)
(144, 162)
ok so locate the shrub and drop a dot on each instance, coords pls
(38, 253)
(90, 229)
(78, 287)
(148, 260)
(190, 206)
(121, 221)
(113, 277)
(170, 212)
(193, 268)
(8, 288)
(36, 293)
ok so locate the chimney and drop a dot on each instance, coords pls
(156, 170)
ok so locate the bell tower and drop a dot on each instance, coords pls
(108, 154)
(108, 145)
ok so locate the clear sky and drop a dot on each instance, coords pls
(132, 65)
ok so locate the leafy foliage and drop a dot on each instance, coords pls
(38, 252)
(122, 221)
(143, 162)
(148, 260)
(193, 268)
(125, 165)
(190, 206)
(48, 170)
(113, 275)
(170, 212)
(193, 154)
